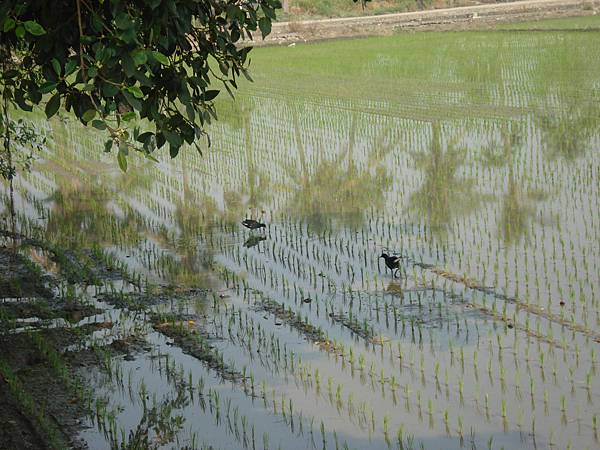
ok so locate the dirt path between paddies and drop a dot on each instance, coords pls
(461, 18)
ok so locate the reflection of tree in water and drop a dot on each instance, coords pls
(442, 195)
(84, 206)
(517, 205)
(94, 211)
(256, 190)
(337, 189)
(516, 211)
(498, 154)
(568, 132)
(196, 215)
(82, 216)
(568, 116)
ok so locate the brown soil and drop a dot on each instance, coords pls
(64, 405)
(42, 405)
(63, 410)
(17, 279)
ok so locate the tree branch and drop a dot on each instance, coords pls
(82, 63)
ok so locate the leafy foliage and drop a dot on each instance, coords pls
(26, 139)
(113, 61)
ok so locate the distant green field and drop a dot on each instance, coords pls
(426, 73)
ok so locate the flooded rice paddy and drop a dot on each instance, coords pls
(473, 156)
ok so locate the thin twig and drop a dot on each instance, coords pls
(82, 64)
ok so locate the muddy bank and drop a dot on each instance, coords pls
(43, 402)
(462, 18)
(42, 406)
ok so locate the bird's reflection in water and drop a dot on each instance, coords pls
(254, 240)
(395, 288)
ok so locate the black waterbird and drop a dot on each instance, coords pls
(253, 224)
(392, 262)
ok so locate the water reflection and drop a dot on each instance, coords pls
(257, 189)
(253, 241)
(85, 214)
(568, 131)
(444, 194)
(312, 320)
(338, 189)
(515, 211)
(569, 114)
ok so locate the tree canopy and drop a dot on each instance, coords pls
(110, 62)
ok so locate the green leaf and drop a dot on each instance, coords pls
(46, 87)
(9, 24)
(269, 12)
(134, 102)
(144, 136)
(209, 95)
(128, 36)
(10, 73)
(235, 12)
(223, 67)
(57, 66)
(160, 140)
(128, 65)
(88, 115)
(143, 79)
(109, 90)
(191, 113)
(174, 141)
(139, 57)
(135, 91)
(158, 56)
(108, 146)
(247, 75)
(129, 116)
(122, 159)
(34, 28)
(34, 95)
(123, 21)
(52, 105)
(265, 26)
(99, 124)
(96, 23)
(20, 32)
(70, 67)
(229, 90)
(20, 99)
(150, 157)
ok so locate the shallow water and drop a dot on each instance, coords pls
(474, 155)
